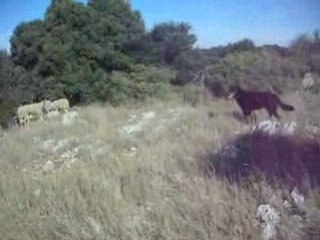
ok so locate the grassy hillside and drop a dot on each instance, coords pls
(136, 169)
(133, 172)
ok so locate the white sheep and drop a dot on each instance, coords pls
(35, 110)
(22, 115)
(308, 81)
(61, 104)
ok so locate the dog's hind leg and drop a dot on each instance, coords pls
(247, 115)
(276, 115)
(251, 118)
(254, 117)
(273, 112)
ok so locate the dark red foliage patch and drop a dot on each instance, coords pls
(288, 160)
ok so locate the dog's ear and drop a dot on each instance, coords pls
(231, 95)
(231, 92)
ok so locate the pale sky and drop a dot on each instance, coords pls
(215, 22)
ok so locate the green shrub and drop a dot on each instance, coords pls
(139, 84)
(192, 94)
(260, 69)
(7, 112)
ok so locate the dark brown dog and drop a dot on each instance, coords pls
(250, 101)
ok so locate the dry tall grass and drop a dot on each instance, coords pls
(146, 185)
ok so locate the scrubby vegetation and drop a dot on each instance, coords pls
(137, 172)
(87, 53)
(100, 51)
(146, 158)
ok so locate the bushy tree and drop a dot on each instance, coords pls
(306, 49)
(27, 44)
(143, 82)
(171, 39)
(11, 93)
(190, 64)
(163, 44)
(242, 45)
(76, 46)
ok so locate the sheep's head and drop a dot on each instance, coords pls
(46, 105)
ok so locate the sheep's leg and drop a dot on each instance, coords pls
(40, 115)
(20, 121)
(23, 120)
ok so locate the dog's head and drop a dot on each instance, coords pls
(233, 92)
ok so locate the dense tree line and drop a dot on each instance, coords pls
(101, 51)
(74, 50)
(90, 52)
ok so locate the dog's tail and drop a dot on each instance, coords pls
(285, 106)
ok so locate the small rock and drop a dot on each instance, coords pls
(289, 128)
(133, 149)
(96, 226)
(37, 193)
(270, 218)
(286, 205)
(70, 162)
(48, 167)
(69, 118)
(268, 214)
(148, 115)
(47, 145)
(297, 197)
(273, 127)
(67, 155)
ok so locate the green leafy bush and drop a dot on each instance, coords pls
(140, 83)
(259, 69)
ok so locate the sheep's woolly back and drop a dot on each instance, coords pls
(29, 111)
(22, 115)
(60, 105)
(46, 106)
(34, 109)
